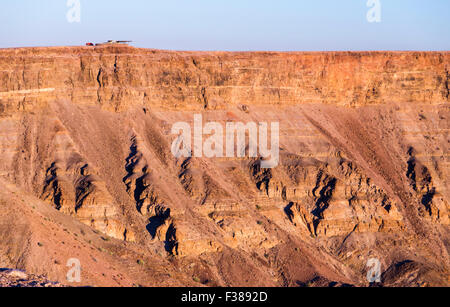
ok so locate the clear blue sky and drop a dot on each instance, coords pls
(230, 24)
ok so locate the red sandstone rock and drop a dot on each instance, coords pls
(363, 169)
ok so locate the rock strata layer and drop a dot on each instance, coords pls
(364, 158)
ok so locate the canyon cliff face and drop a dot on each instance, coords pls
(85, 136)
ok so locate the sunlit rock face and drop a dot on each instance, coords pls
(363, 166)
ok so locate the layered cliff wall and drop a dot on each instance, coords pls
(116, 77)
(364, 159)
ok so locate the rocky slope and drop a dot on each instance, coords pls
(85, 136)
(19, 279)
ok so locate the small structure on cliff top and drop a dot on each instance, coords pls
(110, 42)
